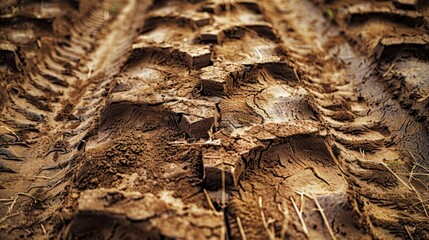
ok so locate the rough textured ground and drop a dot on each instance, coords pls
(215, 119)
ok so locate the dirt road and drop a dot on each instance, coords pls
(216, 119)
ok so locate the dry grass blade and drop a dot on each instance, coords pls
(423, 167)
(7, 217)
(303, 193)
(43, 229)
(89, 71)
(412, 173)
(11, 132)
(215, 142)
(295, 72)
(13, 201)
(271, 235)
(410, 187)
(304, 226)
(396, 175)
(283, 209)
(209, 201)
(420, 199)
(240, 227)
(9, 210)
(408, 232)
(417, 163)
(388, 70)
(325, 219)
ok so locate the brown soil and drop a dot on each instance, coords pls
(214, 119)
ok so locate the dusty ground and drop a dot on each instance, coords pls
(221, 119)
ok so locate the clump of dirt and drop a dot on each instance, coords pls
(102, 167)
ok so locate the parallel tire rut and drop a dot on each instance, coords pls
(214, 119)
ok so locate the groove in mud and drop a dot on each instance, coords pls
(214, 120)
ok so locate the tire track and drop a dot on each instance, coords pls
(80, 100)
(387, 146)
(223, 119)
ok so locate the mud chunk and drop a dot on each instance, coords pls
(195, 117)
(405, 40)
(132, 215)
(211, 35)
(196, 127)
(214, 81)
(21, 36)
(193, 56)
(373, 9)
(405, 4)
(217, 80)
(216, 161)
(42, 10)
(198, 57)
(199, 19)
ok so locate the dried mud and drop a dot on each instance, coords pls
(133, 119)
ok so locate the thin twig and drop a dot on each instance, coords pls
(415, 160)
(296, 74)
(400, 179)
(410, 186)
(209, 200)
(12, 204)
(422, 167)
(215, 142)
(305, 194)
(304, 227)
(412, 173)
(9, 210)
(240, 227)
(58, 173)
(388, 70)
(27, 195)
(11, 132)
(283, 209)
(89, 71)
(328, 225)
(43, 228)
(408, 231)
(36, 177)
(420, 199)
(7, 217)
(362, 152)
(264, 221)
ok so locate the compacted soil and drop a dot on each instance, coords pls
(214, 119)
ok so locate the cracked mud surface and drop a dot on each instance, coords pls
(132, 119)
